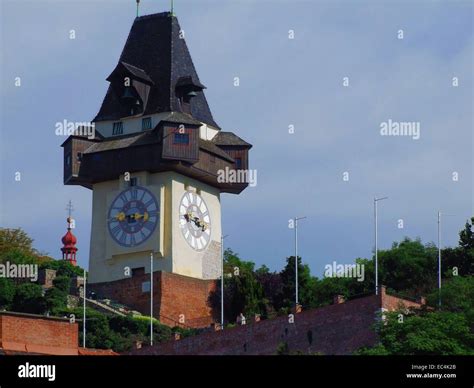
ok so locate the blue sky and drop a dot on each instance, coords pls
(282, 82)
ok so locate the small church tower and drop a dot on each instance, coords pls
(69, 244)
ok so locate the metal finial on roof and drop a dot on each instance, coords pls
(69, 208)
(172, 8)
(138, 4)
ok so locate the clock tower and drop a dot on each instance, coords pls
(153, 164)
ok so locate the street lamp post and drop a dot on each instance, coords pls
(296, 219)
(376, 244)
(439, 254)
(222, 281)
(84, 291)
(439, 258)
(151, 299)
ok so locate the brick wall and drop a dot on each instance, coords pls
(174, 297)
(185, 297)
(37, 334)
(127, 291)
(336, 329)
(22, 334)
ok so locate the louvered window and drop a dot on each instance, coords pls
(146, 123)
(117, 128)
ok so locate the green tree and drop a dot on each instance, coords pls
(7, 293)
(272, 286)
(325, 289)
(305, 284)
(461, 258)
(242, 292)
(18, 256)
(56, 297)
(62, 283)
(99, 334)
(466, 236)
(425, 333)
(409, 266)
(15, 239)
(457, 296)
(63, 268)
(55, 300)
(29, 299)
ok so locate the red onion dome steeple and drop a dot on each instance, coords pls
(69, 241)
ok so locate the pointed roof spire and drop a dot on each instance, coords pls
(155, 47)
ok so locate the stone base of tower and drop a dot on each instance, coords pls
(177, 300)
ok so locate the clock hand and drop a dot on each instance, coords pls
(136, 216)
(200, 223)
(197, 221)
(204, 225)
(188, 216)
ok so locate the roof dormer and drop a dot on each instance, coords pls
(131, 86)
(186, 89)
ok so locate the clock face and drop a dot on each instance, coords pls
(195, 221)
(133, 216)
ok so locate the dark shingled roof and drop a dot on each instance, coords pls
(79, 134)
(116, 142)
(188, 81)
(137, 72)
(209, 146)
(229, 139)
(156, 50)
(180, 118)
(148, 137)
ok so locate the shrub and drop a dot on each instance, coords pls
(29, 299)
